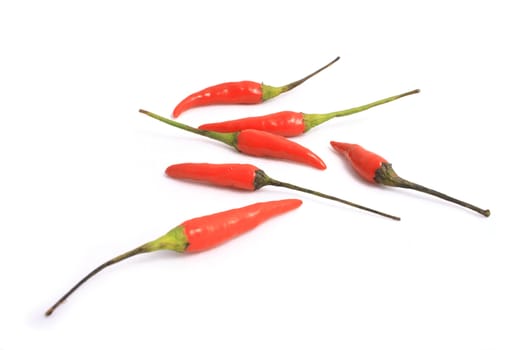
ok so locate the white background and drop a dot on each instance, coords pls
(82, 176)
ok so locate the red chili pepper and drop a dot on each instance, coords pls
(201, 234)
(245, 177)
(376, 169)
(289, 123)
(254, 142)
(240, 92)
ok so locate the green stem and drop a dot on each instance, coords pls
(312, 120)
(175, 240)
(262, 179)
(139, 250)
(228, 138)
(387, 176)
(269, 91)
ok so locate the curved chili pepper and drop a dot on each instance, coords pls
(245, 177)
(375, 169)
(200, 234)
(287, 123)
(239, 92)
(254, 142)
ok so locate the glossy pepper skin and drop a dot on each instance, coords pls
(264, 144)
(376, 169)
(289, 123)
(200, 234)
(284, 123)
(233, 175)
(364, 162)
(239, 92)
(246, 177)
(255, 142)
(209, 231)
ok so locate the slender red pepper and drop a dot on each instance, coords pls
(375, 169)
(239, 92)
(254, 142)
(287, 123)
(200, 234)
(245, 177)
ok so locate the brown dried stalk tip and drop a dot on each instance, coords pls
(386, 175)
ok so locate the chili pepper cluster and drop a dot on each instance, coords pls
(259, 136)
